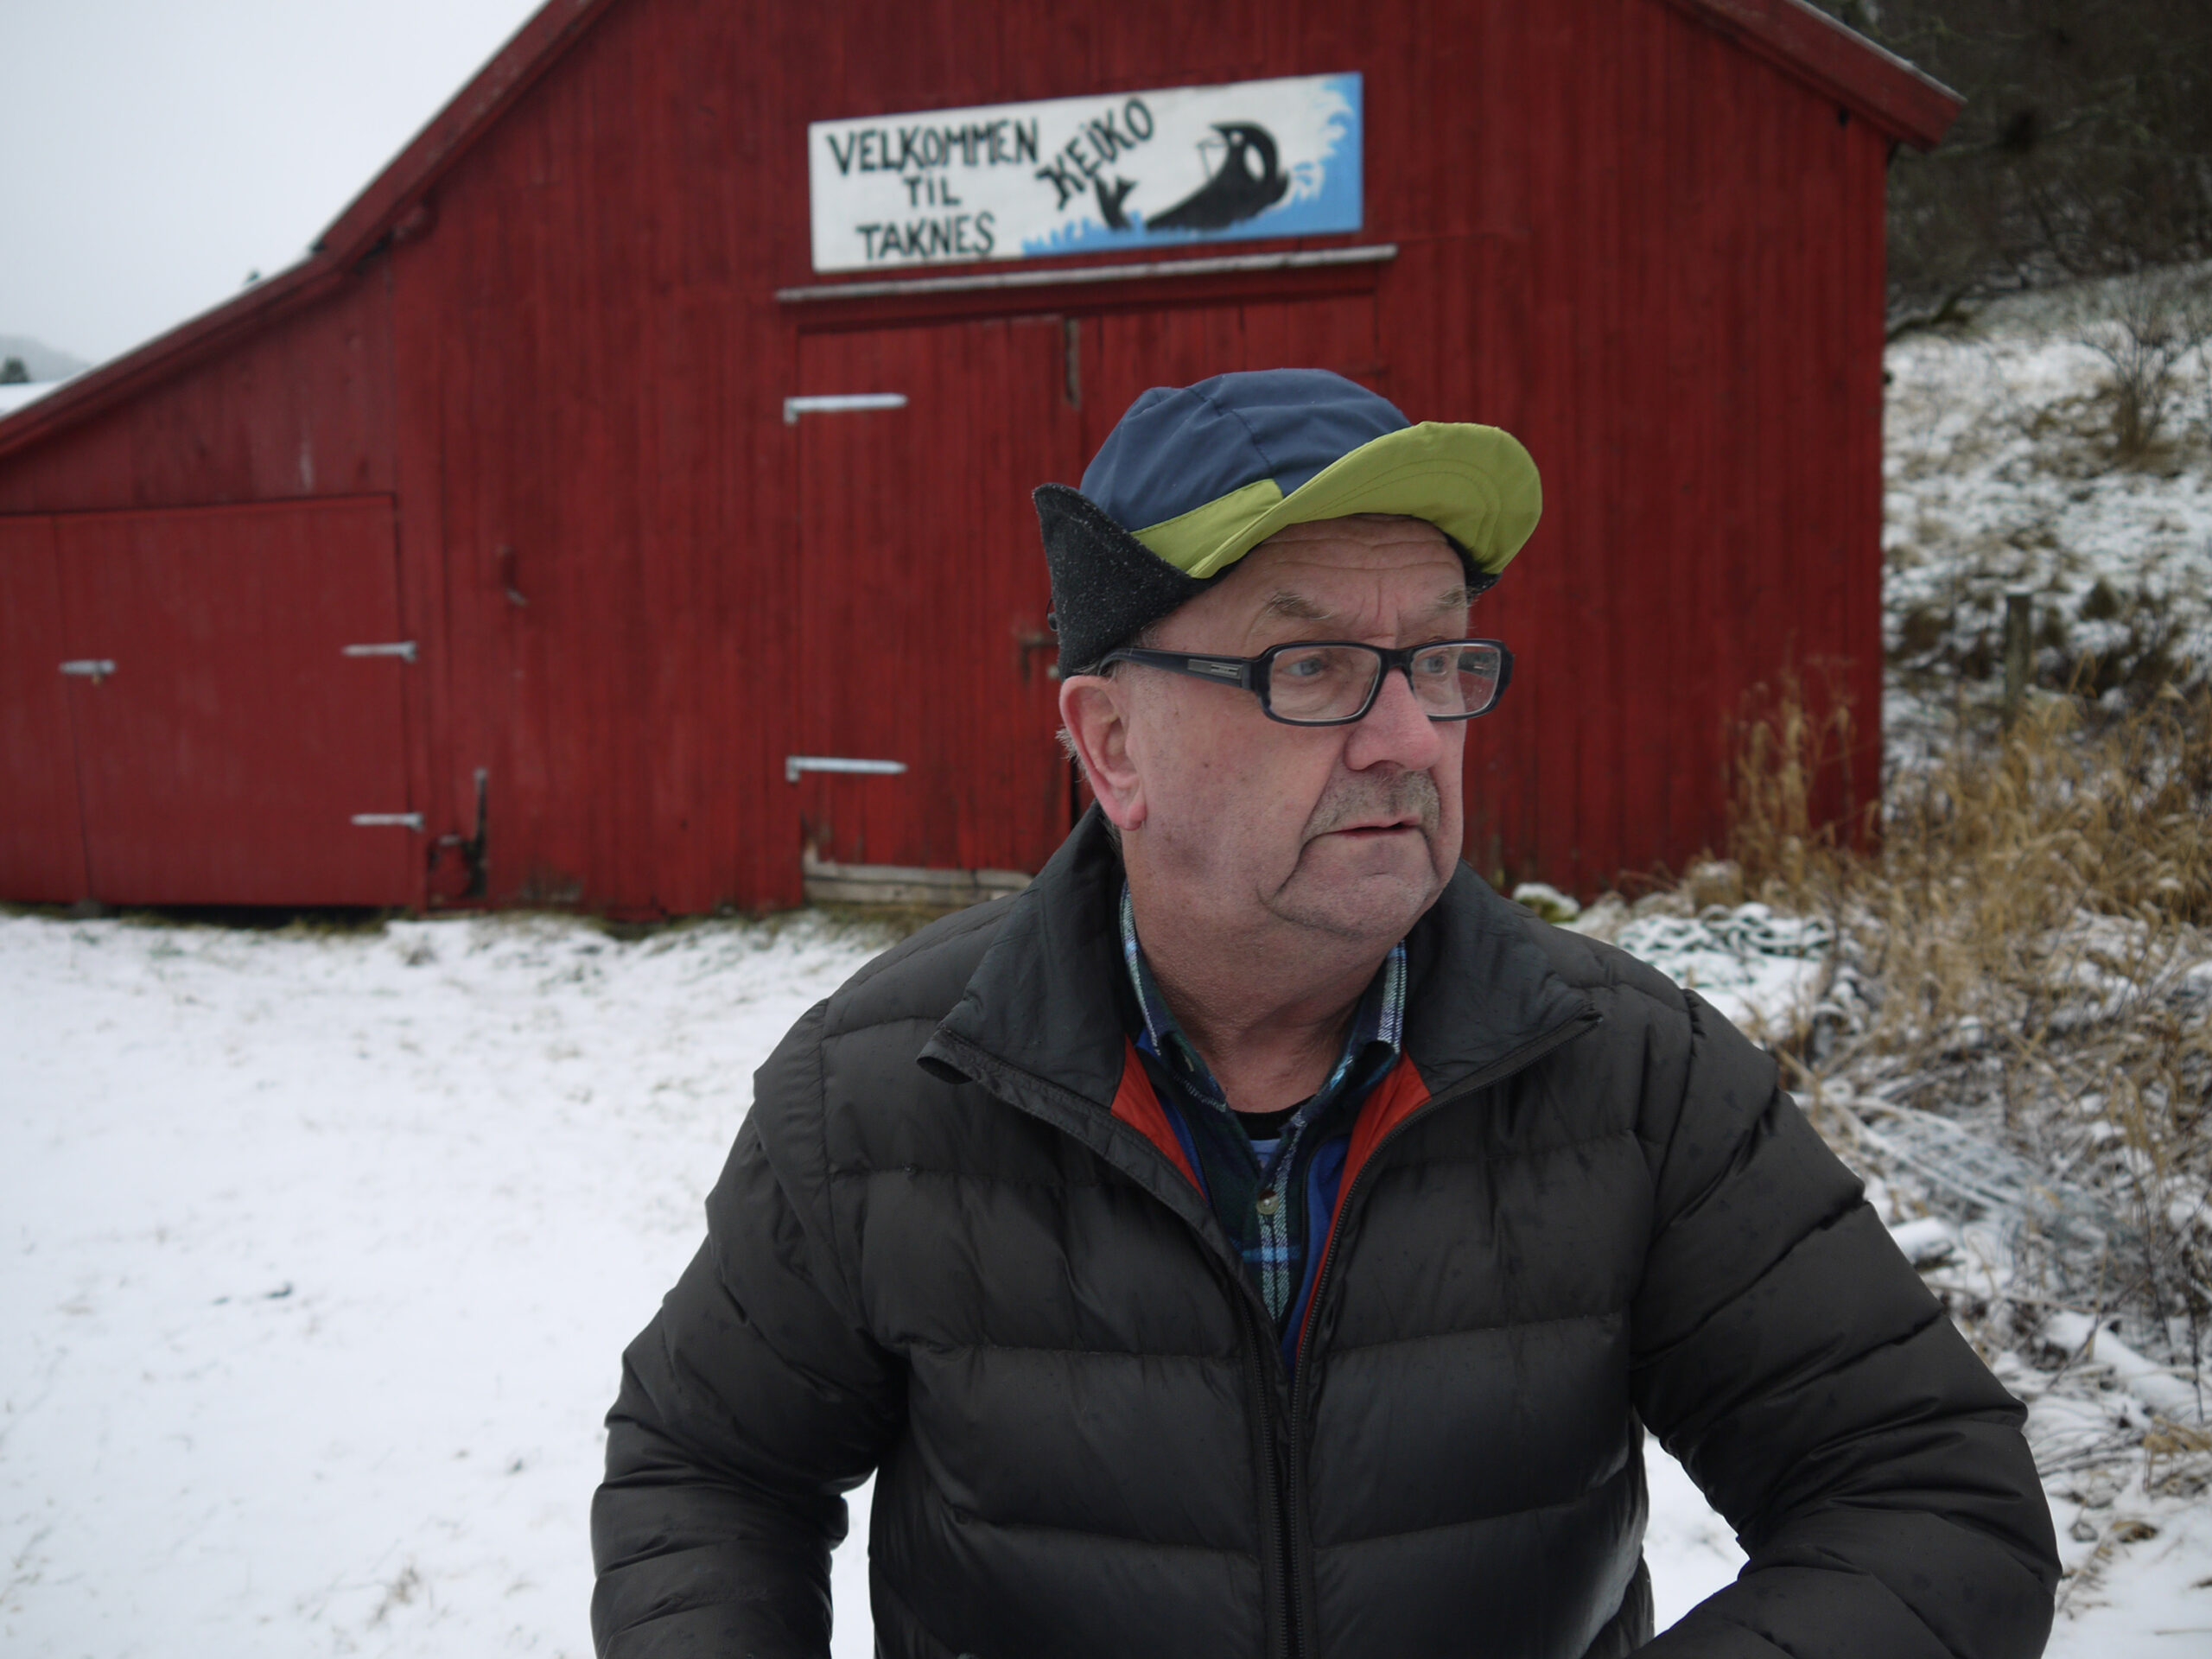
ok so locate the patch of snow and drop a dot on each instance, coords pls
(2153, 1385)
(1926, 1241)
(320, 1253)
(12, 397)
(2140, 1567)
(1691, 1551)
(1762, 970)
(1546, 901)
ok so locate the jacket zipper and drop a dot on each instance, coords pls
(1298, 1551)
(1275, 1516)
(1286, 1499)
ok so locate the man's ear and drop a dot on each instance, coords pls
(1094, 709)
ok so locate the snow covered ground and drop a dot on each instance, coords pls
(320, 1250)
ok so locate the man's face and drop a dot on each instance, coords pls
(1352, 830)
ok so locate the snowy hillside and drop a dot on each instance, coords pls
(40, 360)
(2001, 478)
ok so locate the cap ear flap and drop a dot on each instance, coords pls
(1107, 585)
(1479, 581)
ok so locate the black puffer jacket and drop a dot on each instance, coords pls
(1591, 1209)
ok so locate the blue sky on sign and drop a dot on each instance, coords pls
(152, 152)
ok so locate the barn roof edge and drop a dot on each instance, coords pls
(358, 233)
(1797, 36)
(1831, 56)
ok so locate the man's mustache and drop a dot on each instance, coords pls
(1361, 800)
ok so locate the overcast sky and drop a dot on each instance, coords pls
(152, 152)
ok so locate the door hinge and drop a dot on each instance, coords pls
(94, 669)
(389, 821)
(402, 648)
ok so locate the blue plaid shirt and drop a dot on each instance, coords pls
(1275, 1210)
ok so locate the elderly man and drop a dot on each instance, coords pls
(1259, 1238)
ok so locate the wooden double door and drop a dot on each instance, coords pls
(923, 590)
(205, 706)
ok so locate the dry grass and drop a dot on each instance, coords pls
(2025, 950)
(2010, 861)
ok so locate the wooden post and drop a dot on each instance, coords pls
(2019, 627)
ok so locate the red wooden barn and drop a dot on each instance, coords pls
(483, 558)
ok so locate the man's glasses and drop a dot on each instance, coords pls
(1335, 681)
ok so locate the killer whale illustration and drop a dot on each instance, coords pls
(1110, 198)
(1249, 178)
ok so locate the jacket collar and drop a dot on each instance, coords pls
(1040, 1022)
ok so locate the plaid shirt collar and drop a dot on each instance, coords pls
(1380, 1018)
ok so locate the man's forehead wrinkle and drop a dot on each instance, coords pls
(1292, 606)
(1288, 602)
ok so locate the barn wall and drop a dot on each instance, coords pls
(1658, 262)
(1674, 256)
(1653, 256)
(303, 408)
(592, 375)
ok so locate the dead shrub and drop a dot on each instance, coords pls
(2026, 950)
(2151, 323)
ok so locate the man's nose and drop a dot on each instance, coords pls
(1395, 729)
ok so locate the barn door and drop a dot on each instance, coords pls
(234, 680)
(926, 705)
(1126, 352)
(41, 844)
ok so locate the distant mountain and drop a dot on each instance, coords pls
(42, 361)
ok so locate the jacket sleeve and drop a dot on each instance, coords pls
(1786, 1352)
(754, 1399)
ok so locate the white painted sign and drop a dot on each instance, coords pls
(1087, 174)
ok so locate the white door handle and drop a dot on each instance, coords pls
(840, 403)
(795, 764)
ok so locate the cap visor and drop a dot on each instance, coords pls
(1476, 484)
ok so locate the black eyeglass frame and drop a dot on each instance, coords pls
(1252, 673)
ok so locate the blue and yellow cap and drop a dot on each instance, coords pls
(1193, 478)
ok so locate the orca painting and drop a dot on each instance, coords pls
(1249, 178)
(1110, 198)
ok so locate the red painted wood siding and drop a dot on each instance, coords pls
(303, 409)
(1654, 256)
(923, 597)
(41, 839)
(223, 761)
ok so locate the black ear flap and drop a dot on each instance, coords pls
(1479, 581)
(1107, 585)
